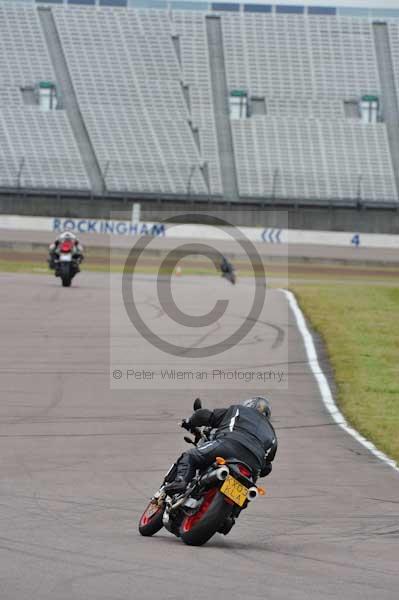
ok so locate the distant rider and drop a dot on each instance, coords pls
(65, 237)
(242, 431)
(226, 267)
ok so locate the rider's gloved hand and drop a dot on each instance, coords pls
(186, 424)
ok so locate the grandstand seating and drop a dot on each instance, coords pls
(190, 27)
(143, 84)
(296, 56)
(127, 77)
(10, 95)
(317, 108)
(44, 141)
(394, 44)
(305, 68)
(24, 59)
(307, 158)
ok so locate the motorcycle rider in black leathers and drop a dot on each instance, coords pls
(226, 267)
(77, 248)
(242, 431)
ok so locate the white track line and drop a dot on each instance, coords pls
(324, 387)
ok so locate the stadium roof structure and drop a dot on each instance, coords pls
(358, 8)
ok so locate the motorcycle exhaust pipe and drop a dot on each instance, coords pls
(219, 474)
(222, 473)
(252, 493)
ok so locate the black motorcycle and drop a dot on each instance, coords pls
(230, 276)
(211, 503)
(66, 262)
(228, 271)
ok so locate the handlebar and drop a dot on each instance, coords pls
(197, 432)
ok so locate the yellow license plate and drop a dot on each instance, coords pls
(234, 490)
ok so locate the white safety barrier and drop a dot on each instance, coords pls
(255, 234)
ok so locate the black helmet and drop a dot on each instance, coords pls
(261, 404)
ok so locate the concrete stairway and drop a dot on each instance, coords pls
(389, 95)
(69, 101)
(221, 108)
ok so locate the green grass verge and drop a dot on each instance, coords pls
(360, 327)
(14, 266)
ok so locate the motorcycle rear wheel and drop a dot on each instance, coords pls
(151, 520)
(198, 529)
(65, 274)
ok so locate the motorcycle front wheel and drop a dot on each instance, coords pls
(151, 519)
(197, 529)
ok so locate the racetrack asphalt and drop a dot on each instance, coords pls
(78, 461)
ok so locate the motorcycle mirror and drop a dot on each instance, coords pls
(197, 404)
(188, 440)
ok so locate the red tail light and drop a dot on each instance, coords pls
(244, 471)
(66, 246)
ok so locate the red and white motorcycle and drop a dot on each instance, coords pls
(66, 262)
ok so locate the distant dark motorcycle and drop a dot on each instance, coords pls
(230, 276)
(211, 503)
(228, 271)
(66, 262)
